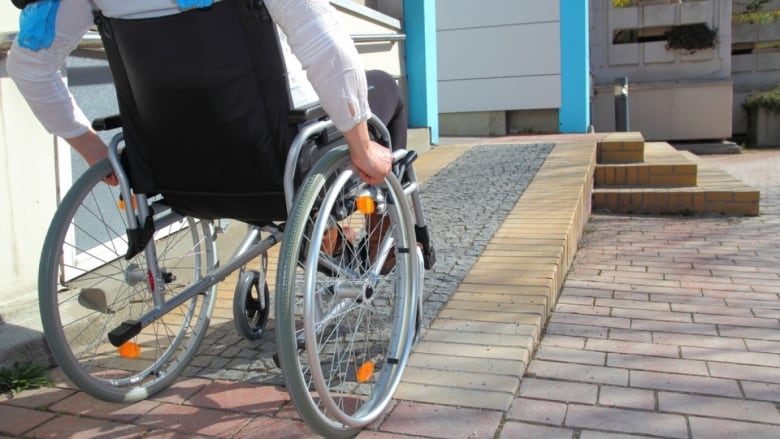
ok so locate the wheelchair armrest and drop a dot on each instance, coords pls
(313, 111)
(107, 123)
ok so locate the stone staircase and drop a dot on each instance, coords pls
(634, 176)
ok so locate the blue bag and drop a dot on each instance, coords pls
(189, 4)
(36, 24)
(38, 19)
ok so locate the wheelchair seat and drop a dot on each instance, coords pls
(205, 109)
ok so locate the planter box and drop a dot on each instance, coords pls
(763, 128)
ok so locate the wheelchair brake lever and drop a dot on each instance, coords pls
(401, 161)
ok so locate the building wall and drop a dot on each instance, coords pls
(650, 61)
(381, 55)
(497, 60)
(27, 184)
(489, 55)
(674, 94)
(757, 71)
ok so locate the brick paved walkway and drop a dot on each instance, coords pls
(666, 327)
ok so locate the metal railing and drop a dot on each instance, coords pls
(91, 41)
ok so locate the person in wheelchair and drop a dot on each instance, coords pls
(321, 64)
(209, 97)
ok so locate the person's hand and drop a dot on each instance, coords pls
(93, 150)
(372, 161)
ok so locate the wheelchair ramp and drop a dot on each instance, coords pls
(476, 351)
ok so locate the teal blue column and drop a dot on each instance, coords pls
(420, 30)
(574, 116)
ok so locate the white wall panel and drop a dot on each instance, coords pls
(516, 50)
(496, 55)
(463, 14)
(497, 94)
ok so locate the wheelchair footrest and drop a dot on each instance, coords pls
(429, 253)
(124, 332)
(429, 258)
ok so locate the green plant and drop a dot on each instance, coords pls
(23, 376)
(691, 37)
(624, 3)
(767, 17)
(755, 5)
(768, 99)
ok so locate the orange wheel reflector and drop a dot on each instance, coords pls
(365, 372)
(121, 203)
(366, 205)
(129, 350)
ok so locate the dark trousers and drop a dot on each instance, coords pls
(386, 103)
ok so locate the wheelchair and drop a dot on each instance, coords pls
(128, 274)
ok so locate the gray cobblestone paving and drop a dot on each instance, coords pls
(464, 203)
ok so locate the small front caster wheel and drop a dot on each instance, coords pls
(250, 307)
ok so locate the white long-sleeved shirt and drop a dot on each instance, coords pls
(312, 36)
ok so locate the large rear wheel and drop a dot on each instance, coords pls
(87, 288)
(347, 286)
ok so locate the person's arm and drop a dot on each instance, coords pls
(38, 78)
(327, 53)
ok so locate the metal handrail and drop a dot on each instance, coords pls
(91, 40)
(378, 38)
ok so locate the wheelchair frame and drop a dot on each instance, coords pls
(329, 413)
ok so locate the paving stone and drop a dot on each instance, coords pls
(436, 421)
(189, 419)
(684, 383)
(81, 404)
(626, 421)
(722, 408)
(657, 364)
(702, 428)
(240, 397)
(36, 398)
(538, 411)
(627, 397)
(512, 430)
(578, 372)
(16, 420)
(563, 391)
(85, 428)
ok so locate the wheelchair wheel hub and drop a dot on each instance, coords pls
(359, 290)
(134, 274)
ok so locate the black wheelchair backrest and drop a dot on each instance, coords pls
(205, 108)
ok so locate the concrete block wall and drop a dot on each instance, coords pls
(674, 94)
(757, 71)
(651, 62)
(670, 110)
(27, 188)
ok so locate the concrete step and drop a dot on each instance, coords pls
(21, 333)
(621, 148)
(418, 139)
(663, 166)
(716, 192)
